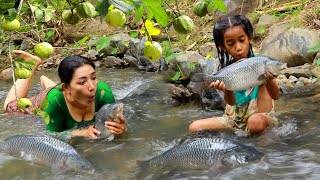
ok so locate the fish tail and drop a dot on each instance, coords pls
(198, 82)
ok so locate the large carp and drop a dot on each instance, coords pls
(204, 153)
(107, 112)
(241, 75)
(46, 150)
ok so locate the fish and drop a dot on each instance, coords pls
(241, 75)
(203, 153)
(46, 150)
(107, 112)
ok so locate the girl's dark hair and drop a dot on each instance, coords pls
(69, 65)
(220, 28)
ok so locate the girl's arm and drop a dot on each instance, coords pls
(228, 95)
(272, 86)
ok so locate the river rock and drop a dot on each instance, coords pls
(238, 7)
(267, 20)
(207, 48)
(292, 46)
(299, 71)
(6, 74)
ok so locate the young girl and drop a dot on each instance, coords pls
(253, 113)
(73, 102)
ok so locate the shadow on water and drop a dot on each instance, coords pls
(156, 123)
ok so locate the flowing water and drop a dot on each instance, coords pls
(156, 123)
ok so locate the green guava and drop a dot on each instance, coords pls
(183, 24)
(152, 51)
(24, 103)
(22, 73)
(115, 18)
(11, 25)
(43, 49)
(200, 9)
(70, 16)
(86, 10)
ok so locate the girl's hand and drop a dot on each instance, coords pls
(268, 77)
(117, 129)
(218, 85)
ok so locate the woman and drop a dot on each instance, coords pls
(73, 102)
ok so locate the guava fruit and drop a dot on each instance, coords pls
(24, 103)
(43, 49)
(86, 10)
(115, 18)
(70, 16)
(183, 24)
(152, 51)
(10, 25)
(22, 73)
(200, 9)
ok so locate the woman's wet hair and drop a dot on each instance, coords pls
(220, 28)
(69, 65)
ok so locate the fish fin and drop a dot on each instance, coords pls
(262, 77)
(198, 82)
(249, 91)
(216, 171)
(55, 169)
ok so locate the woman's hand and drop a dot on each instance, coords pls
(218, 85)
(89, 132)
(27, 56)
(117, 129)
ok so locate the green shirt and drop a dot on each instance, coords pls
(60, 118)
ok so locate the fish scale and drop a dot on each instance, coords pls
(241, 75)
(203, 153)
(45, 150)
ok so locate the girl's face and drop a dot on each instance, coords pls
(83, 85)
(236, 42)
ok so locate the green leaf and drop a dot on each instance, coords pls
(115, 51)
(192, 65)
(12, 14)
(83, 40)
(318, 62)
(176, 76)
(139, 14)
(103, 42)
(134, 34)
(48, 12)
(48, 35)
(315, 49)
(57, 4)
(172, 56)
(160, 15)
(102, 8)
(121, 5)
(149, 13)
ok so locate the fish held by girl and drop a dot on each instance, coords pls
(241, 75)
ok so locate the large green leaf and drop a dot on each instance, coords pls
(160, 15)
(102, 8)
(103, 42)
(315, 48)
(120, 4)
(139, 14)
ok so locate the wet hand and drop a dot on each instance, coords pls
(91, 132)
(218, 85)
(117, 129)
(269, 77)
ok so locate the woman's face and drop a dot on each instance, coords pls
(236, 42)
(83, 85)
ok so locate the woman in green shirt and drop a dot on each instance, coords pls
(73, 102)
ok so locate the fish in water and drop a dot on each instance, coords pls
(108, 112)
(46, 150)
(204, 153)
(241, 75)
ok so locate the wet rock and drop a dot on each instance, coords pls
(179, 93)
(6, 74)
(112, 61)
(301, 91)
(292, 46)
(299, 71)
(208, 47)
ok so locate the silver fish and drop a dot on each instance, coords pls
(204, 153)
(46, 150)
(107, 112)
(241, 75)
